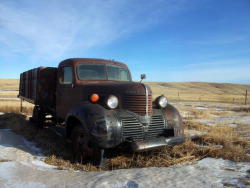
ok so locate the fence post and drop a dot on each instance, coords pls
(246, 98)
(21, 107)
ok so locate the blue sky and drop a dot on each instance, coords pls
(169, 40)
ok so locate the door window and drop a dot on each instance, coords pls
(66, 76)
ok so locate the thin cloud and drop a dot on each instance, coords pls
(50, 29)
(36, 30)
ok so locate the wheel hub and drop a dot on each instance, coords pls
(84, 146)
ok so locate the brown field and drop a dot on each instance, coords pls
(175, 91)
(200, 91)
(9, 84)
(219, 141)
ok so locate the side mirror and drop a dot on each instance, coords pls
(143, 76)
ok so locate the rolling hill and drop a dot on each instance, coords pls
(188, 91)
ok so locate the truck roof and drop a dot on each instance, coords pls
(74, 61)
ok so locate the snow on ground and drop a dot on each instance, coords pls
(201, 108)
(237, 117)
(216, 120)
(195, 133)
(27, 169)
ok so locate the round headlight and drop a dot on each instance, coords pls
(112, 102)
(162, 101)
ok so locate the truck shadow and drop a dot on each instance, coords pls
(47, 142)
(45, 139)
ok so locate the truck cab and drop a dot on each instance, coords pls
(100, 107)
(78, 79)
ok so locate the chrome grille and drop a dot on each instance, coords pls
(156, 127)
(137, 104)
(132, 129)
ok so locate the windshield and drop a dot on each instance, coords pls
(118, 73)
(98, 72)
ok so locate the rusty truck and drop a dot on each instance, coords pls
(98, 106)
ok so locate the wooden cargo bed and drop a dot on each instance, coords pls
(38, 86)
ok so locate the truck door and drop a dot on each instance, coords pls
(64, 91)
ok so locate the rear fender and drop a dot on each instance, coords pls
(102, 125)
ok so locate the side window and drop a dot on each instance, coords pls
(66, 76)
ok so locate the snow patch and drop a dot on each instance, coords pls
(5, 129)
(195, 134)
(232, 125)
(40, 163)
(219, 109)
(31, 145)
(186, 114)
(229, 171)
(217, 120)
(7, 145)
(212, 147)
(201, 108)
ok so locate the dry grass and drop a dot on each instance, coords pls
(59, 153)
(204, 114)
(220, 113)
(187, 91)
(8, 94)
(8, 106)
(235, 147)
(200, 91)
(9, 84)
(239, 109)
(4, 160)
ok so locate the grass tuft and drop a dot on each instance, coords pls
(15, 107)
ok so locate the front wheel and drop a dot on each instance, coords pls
(85, 150)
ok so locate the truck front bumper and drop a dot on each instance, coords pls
(147, 145)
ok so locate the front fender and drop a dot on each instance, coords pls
(173, 120)
(102, 125)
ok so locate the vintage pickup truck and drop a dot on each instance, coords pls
(99, 107)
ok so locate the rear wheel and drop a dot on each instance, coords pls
(85, 150)
(38, 117)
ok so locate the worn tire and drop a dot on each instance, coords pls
(85, 150)
(38, 117)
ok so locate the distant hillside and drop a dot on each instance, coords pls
(203, 91)
(9, 84)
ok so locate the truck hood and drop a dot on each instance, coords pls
(117, 88)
